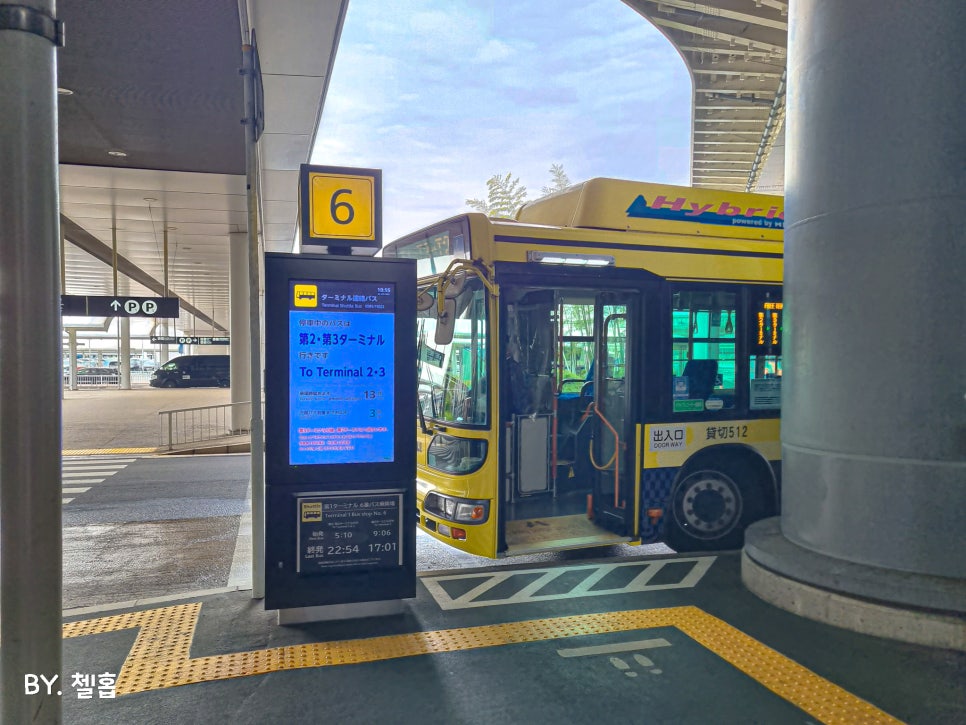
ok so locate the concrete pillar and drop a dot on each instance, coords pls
(72, 352)
(873, 413)
(30, 364)
(124, 353)
(241, 389)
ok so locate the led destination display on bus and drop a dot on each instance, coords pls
(341, 372)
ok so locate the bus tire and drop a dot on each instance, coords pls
(711, 505)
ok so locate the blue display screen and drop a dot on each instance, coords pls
(341, 372)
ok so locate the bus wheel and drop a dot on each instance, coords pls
(170, 384)
(709, 509)
(223, 383)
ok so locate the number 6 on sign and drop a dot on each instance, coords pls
(348, 211)
(341, 206)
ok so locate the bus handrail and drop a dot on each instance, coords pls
(615, 459)
(463, 265)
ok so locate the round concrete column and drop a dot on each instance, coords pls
(124, 353)
(873, 409)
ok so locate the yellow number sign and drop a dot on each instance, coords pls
(341, 204)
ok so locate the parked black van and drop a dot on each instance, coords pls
(193, 371)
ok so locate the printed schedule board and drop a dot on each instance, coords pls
(340, 434)
(343, 532)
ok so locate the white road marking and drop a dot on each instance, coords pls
(645, 662)
(606, 649)
(85, 464)
(75, 473)
(585, 588)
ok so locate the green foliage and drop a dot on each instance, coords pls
(558, 180)
(505, 195)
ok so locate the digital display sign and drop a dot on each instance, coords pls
(766, 329)
(341, 371)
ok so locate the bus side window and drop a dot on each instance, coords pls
(703, 326)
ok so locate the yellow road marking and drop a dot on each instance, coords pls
(105, 451)
(160, 656)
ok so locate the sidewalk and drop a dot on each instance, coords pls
(125, 421)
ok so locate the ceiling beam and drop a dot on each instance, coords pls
(720, 13)
(777, 50)
(81, 238)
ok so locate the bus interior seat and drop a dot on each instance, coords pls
(701, 375)
(570, 408)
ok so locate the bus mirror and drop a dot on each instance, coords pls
(455, 285)
(424, 301)
(446, 324)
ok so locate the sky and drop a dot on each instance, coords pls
(443, 94)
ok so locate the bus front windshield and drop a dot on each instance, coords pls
(453, 377)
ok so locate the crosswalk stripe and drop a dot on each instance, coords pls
(74, 473)
(93, 464)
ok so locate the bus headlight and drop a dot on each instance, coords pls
(455, 455)
(469, 511)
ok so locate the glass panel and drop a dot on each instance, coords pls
(433, 250)
(703, 327)
(577, 347)
(615, 321)
(452, 378)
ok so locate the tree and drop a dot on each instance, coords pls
(558, 180)
(504, 196)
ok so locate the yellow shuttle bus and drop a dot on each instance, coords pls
(604, 368)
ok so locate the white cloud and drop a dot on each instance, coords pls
(442, 94)
(493, 51)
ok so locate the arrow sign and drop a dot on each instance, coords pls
(188, 340)
(104, 306)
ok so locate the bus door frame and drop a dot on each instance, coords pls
(607, 511)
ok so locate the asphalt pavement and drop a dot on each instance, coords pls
(110, 420)
(157, 554)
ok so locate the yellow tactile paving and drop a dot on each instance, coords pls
(106, 451)
(160, 656)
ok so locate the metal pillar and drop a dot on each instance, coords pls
(255, 338)
(30, 364)
(873, 414)
(239, 324)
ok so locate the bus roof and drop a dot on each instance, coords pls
(639, 206)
